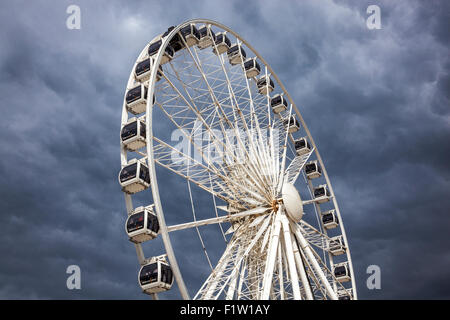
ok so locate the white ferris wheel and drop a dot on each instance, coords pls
(249, 157)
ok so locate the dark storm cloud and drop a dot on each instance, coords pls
(376, 101)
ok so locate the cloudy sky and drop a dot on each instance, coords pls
(376, 102)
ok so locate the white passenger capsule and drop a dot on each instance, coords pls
(342, 272)
(207, 37)
(136, 99)
(321, 194)
(133, 134)
(336, 246)
(236, 54)
(153, 49)
(278, 103)
(292, 124)
(134, 177)
(142, 225)
(302, 146)
(143, 70)
(265, 85)
(313, 170)
(222, 43)
(252, 68)
(190, 34)
(156, 276)
(330, 219)
(345, 294)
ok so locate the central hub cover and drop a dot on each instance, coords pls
(292, 202)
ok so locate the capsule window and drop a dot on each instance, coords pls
(222, 38)
(154, 47)
(329, 217)
(143, 133)
(310, 167)
(319, 192)
(340, 271)
(133, 94)
(144, 174)
(166, 274)
(300, 144)
(203, 32)
(129, 130)
(136, 222)
(143, 67)
(152, 223)
(128, 172)
(149, 274)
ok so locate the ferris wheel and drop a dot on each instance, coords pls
(246, 160)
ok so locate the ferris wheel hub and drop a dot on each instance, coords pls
(292, 202)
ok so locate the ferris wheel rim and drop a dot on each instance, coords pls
(151, 160)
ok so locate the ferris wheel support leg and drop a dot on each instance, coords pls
(290, 257)
(270, 261)
(241, 282)
(307, 250)
(280, 273)
(302, 272)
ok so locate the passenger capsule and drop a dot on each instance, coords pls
(321, 193)
(143, 70)
(136, 99)
(313, 170)
(265, 85)
(336, 246)
(278, 103)
(134, 177)
(342, 272)
(176, 43)
(133, 135)
(302, 146)
(156, 276)
(236, 54)
(190, 35)
(153, 49)
(207, 37)
(330, 219)
(252, 68)
(292, 124)
(345, 294)
(142, 225)
(222, 43)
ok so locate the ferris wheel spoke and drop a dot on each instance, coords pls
(295, 167)
(261, 156)
(253, 174)
(235, 106)
(164, 156)
(220, 219)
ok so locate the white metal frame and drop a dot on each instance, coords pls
(271, 256)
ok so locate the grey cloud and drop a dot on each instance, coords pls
(377, 103)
